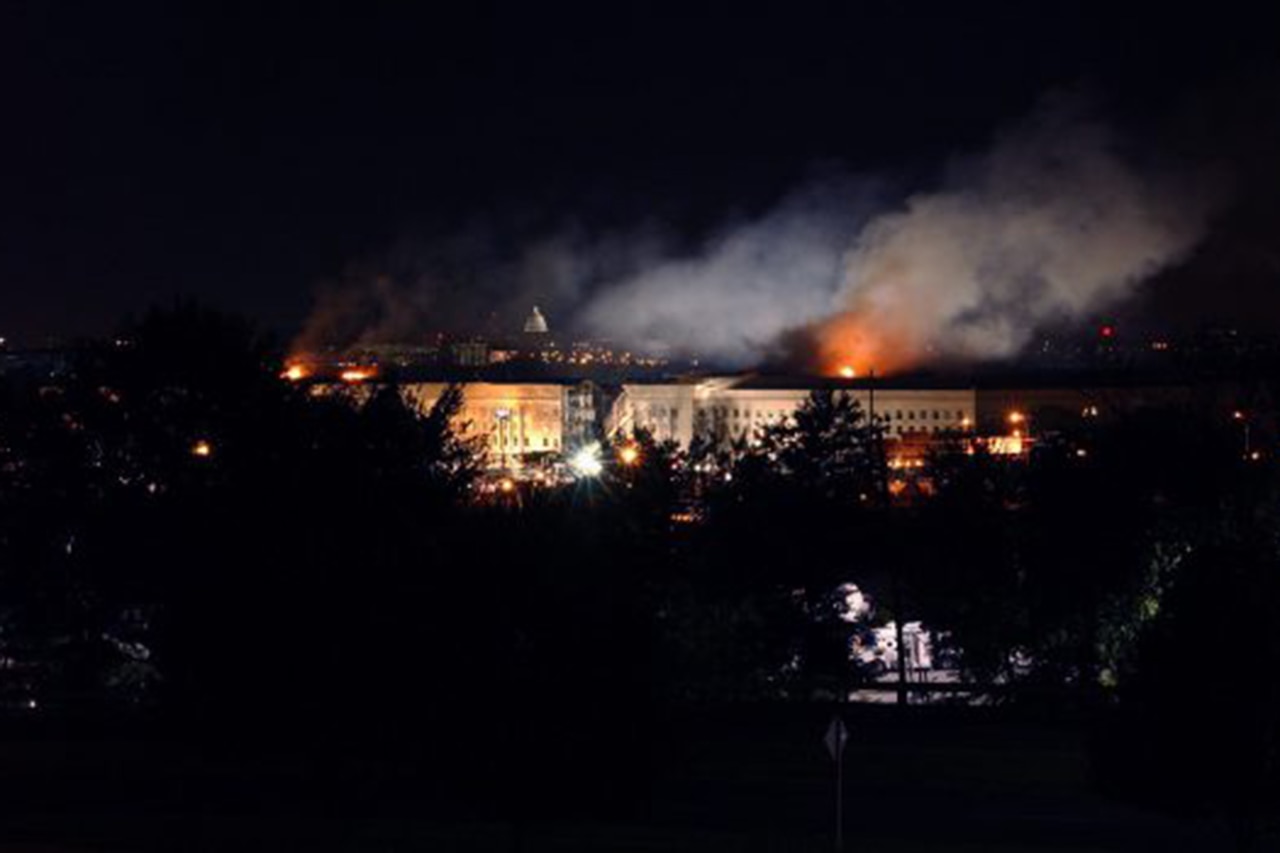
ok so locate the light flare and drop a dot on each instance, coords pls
(586, 462)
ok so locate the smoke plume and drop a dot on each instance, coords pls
(1058, 220)
(1053, 224)
(730, 302)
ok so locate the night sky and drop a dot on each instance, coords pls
(239, 153)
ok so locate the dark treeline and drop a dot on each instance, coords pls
(185, 537)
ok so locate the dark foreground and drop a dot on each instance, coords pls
(753, 780)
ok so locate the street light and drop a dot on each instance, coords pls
(1243, 419)
(586, 462)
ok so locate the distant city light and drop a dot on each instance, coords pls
(1108, 331)
(1016, 417)
(202, 448)
(294, 373)
(507, 485)
(629, 454)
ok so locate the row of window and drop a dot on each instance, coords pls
(923, 414)
(522, 441)
(910, 415)
(657, 414)
(899, 429)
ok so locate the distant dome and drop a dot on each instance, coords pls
(536, 324)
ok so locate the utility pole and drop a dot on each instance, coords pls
(882, 483)
(836, 738)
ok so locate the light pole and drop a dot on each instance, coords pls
(1243, 418)
(504, 420)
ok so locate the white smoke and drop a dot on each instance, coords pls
(751, 283)
(1058, 220)
(1053, 223)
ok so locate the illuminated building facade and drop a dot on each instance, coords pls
(524, 423)
(520, 421)
(729, 409)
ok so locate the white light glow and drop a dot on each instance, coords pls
(586, 462)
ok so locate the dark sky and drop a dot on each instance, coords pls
(238, 153)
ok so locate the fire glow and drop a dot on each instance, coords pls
(848, 346)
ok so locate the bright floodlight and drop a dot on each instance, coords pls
(586, 462)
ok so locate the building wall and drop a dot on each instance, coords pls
(1057, 408)
(518, 420)
(722, 408)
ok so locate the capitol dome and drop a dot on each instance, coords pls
(536, 324)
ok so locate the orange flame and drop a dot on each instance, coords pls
(357, 374)
(850, 346)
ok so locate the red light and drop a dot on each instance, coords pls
(1108, 331)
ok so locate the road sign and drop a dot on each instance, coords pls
(837, 737)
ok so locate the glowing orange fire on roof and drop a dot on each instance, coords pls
(357, 374)
(849, 347)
